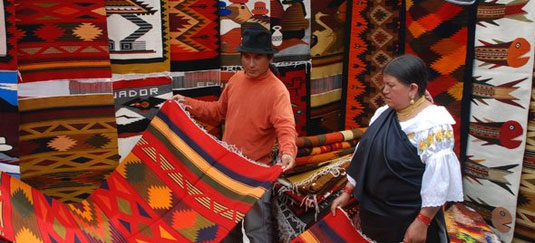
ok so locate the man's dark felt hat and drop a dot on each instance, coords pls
(256, 41)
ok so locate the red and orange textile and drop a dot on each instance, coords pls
(466, 225)
(62, 39)
(335, 229)
(8, 30)
(194, 34)
(323, 157)
(296, 77)
(374, 38)
(437, 31)
(301, 152)
(324, 139)
(171, 188)
(68, 144)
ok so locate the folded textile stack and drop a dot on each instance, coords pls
(304, 194)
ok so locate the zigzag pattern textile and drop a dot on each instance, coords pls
(68, 144)
(177, 185)
(136, 102)
(9, 123)
(62, 39)
(8, 30)
(328, 36)
(502, 86)
(290, 28)
(138, 36)
(194, 34)
(373, 36)
(332, 229)
(525, 208)
(437, 32)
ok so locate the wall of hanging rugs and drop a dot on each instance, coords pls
(80, 81)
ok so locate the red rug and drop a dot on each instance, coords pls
(8, 31)
(62, 39)
(296, 77)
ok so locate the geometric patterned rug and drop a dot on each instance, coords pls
(68, 144)
(61, 39)
(194, 32)
(296, 77)
(374, 35)
(498, 130)
(437, 32)
(138, 35)
(177, 185)
(8, 30)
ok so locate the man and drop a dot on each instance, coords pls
(257, 111)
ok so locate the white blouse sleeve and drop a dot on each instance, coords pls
(441, 180)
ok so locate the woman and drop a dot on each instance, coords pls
(404, 168)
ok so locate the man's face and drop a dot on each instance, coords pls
(255, 64)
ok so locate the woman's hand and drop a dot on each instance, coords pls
(416, 233)
(340, 201)
(288, 162)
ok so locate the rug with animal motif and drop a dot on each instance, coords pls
(290, 28)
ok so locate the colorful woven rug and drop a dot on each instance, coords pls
(8, 30)
(63, 88)
(9, 123)
(62, 39)
(290, 28)
(525, 211)
(194, 34)
(328, 37)
(329, 138)
(169, 189)
(326, 148)
(68, 144)
(464, 224)
(501, 93)
(210, 93)
(374, 34)
(333, 229)
(138, 36)
(236, 15)
(296, 77)
(437, 31)
(136, 103)
(196, 79)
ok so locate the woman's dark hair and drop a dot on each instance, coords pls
(409, 69)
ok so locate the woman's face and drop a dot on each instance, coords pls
(397, 94)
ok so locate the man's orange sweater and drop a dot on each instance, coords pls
(257, 112)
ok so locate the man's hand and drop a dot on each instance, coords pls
(178, 97)
(288, 162)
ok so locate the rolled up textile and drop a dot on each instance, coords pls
(328, 138)
(323, 157)
(301, 152)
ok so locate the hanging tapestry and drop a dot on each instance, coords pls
(68, 144)
(138, 36)
(236, 15)
(196, 79)
(296, 77)
(437, 32)
(194, 34)
(136, 103)
(501, 93)
(328, 37)
(466, 225)
(290, 29)
(374, 34)
(332, 229)
(326, 107)
(210, 93)
(63, 88)
(8, 30)
(525, 210)
(9, 123)
(170, 188)
(62, 39)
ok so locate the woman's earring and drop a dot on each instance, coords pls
(412, 101)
